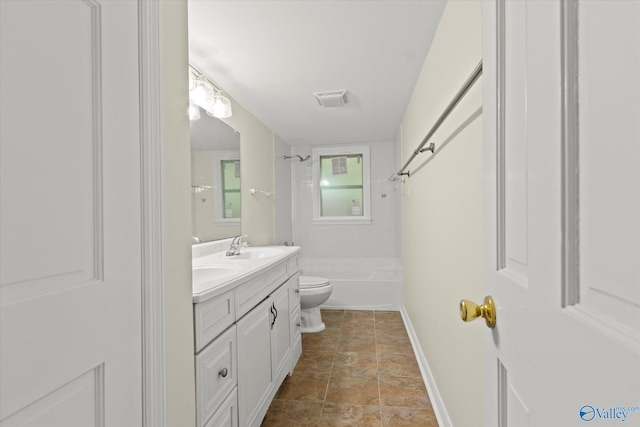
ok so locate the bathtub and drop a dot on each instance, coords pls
(359, 288)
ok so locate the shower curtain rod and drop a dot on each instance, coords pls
(477, 72)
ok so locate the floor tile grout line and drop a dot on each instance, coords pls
(375, 338)
(326, 392)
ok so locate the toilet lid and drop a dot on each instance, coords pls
(313, 282)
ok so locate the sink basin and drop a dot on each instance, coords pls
(255, 252)
(210, 273)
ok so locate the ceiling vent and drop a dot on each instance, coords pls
(335, 98)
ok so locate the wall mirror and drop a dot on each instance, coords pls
(215, 179)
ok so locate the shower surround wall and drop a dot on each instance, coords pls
(362, 260)
(282, 184)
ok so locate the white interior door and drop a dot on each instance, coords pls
(562, 212)
(70, 265)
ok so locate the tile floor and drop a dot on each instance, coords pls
(360, 371)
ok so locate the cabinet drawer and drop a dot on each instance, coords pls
(296, 327)
(257, 289)
(292, 265)
(216, 374)
(212, 317)
(296, 338)
(227, 414)
(296, 351)
(294, 294)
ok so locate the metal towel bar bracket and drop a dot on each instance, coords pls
(431, 147)
(477, 72)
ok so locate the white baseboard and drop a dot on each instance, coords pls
(432, 389)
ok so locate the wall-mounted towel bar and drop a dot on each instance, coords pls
(477, 72)
(302, 159)
(268, 194)
(201, 188)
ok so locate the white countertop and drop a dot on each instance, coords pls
(227, 272)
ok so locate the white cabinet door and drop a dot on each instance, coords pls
(254, 362)
(280, 333)
(562, 202)
(70, 252)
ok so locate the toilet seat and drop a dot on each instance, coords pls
(308, 282)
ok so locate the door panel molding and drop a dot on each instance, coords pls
(98, 209)
(502, 395)
(78, 261)
(511, 151)
(612, 329)
(608, 39)
(154, 387)
(570, 154)
(81, 398)
(501, 256)
(600, 308)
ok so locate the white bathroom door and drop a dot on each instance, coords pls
(70, 218)
(561, 107)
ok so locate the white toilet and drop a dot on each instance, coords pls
(314, 291)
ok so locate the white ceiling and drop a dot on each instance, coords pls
(271, 56)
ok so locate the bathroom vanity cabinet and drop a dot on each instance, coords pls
(247, 339)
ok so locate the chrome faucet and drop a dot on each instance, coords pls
(236, 244)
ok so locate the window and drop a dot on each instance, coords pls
(230, 188)
(226, 176)
(341, 185)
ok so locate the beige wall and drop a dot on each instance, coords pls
(256, 154)
(177, 216)
(442, 215)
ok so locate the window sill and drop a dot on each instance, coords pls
(227, 222)
(342, 220)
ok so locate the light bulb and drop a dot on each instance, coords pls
(194, 112)
(202, 93)
(220, 107)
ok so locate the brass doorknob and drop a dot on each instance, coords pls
(470, 311)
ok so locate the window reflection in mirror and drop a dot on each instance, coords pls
(215, 179)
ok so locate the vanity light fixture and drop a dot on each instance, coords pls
(220, 107)
(194, 112)
(205, 94)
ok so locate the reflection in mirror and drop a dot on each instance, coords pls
(215, 179)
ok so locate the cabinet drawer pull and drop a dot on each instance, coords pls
(297, 291)
(223, 372)
(298, 324)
